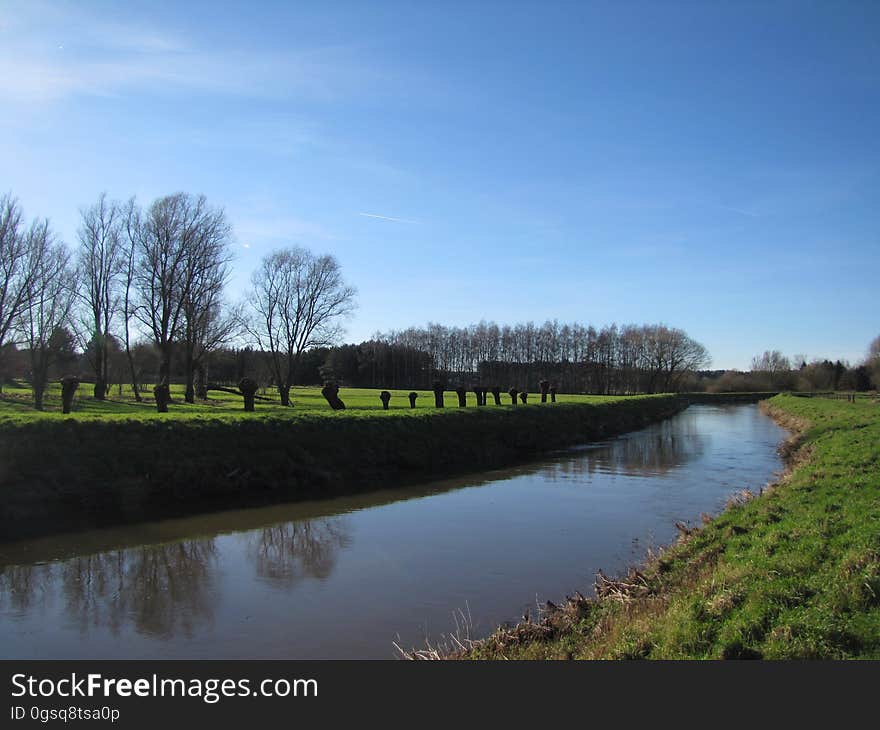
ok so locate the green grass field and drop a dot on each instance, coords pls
(16, 404)
(794, 573)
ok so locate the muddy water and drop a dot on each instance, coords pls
(347, 577)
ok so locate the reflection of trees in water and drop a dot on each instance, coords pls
(663, 447)
(167, 589)
(161, 589)
(23, 586)
(289, 552)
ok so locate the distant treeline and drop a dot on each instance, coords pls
(772, 371)
(141, 299)
(577, 358)
(387, 362)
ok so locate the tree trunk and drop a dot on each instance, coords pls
(100, 390)
(201, 379)
(248, 390)
(69, 384)
(438, 394)
(331, 393)
(101, 385)
(284, 392)
(545, 389)
(189, 394)
(128, 356)
(134, 383)
(166, 353)
(39, 377)
(163, 397)
(39, 390)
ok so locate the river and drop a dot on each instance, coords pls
(345, 578)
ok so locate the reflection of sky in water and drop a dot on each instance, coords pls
(343, 577)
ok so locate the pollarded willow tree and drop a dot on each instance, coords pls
(298, 301)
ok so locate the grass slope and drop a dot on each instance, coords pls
(16, 404)
(794, 573)
(61, 473)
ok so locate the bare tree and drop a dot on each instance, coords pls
(51, 297)
(771, 362)
(213, 328)
(129, 299)
(874, 349)
(683, 355)
(205, 325)
(177, 243)
(774, 367)
(16, 271)
(614, 359)
(101, 260)
(298, 300)
(872, 362)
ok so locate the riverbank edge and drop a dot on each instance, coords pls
(582, 627)
(65, 476)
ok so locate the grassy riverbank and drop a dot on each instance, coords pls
(61, 473)
(793, 573)
(16, 404)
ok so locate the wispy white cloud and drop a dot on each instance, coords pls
(49, 53)
(279, 135)
(40, 78)
(741, 211)
(389, 218)
(262, 228)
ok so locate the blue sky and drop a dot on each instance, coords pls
(712, 166)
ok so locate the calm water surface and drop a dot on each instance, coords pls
(346, 577)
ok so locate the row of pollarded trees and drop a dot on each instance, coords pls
(627, 359)
(158, 274)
